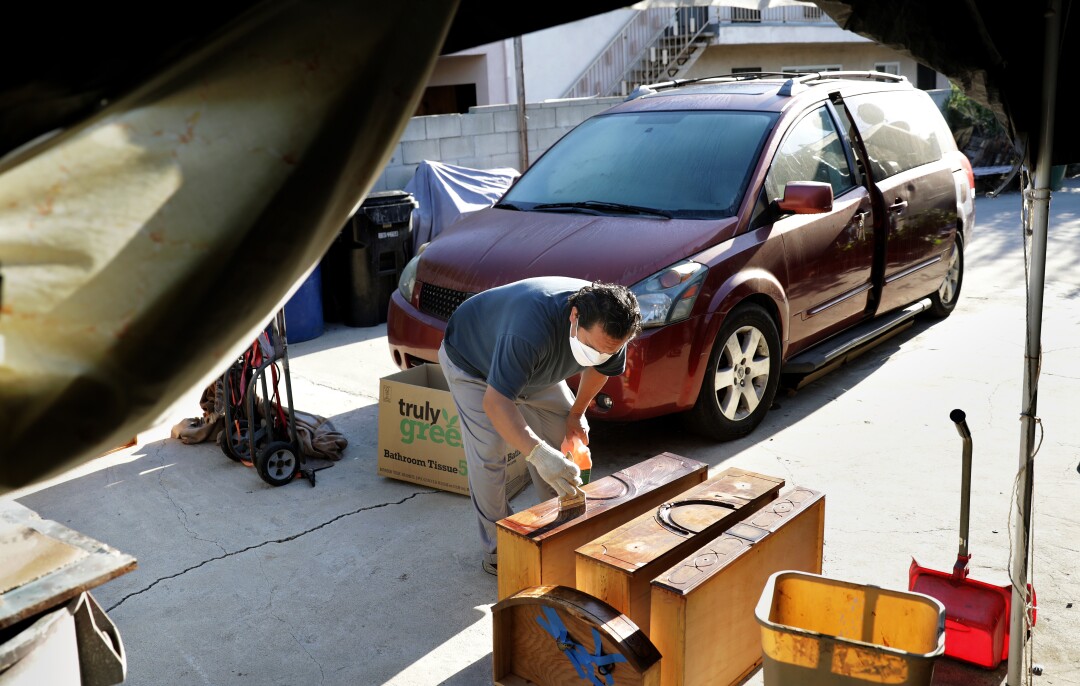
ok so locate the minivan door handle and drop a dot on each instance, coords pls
(859, 220)
(898, 206)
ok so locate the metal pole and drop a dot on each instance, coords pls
(523, 127)
(1039, 217)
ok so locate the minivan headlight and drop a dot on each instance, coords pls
(407, 281)
(668, 295)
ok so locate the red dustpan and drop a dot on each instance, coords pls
(976, 613)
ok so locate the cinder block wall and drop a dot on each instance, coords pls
(484, 138)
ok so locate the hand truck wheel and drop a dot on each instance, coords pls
(277, 463)
(228, 447)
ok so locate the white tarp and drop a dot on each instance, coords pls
(444, 192)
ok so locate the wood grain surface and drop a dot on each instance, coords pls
(702, 612)
(618, 566)
(537, 548)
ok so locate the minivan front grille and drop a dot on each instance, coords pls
(441, 302)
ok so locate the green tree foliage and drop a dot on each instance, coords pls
(977, 131)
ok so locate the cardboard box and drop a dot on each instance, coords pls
(420, 434)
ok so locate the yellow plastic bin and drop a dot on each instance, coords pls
(817, 631)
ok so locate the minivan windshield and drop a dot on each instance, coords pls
(692, 164)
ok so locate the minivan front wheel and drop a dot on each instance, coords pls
(741, 381)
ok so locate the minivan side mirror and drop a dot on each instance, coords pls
(806, 197)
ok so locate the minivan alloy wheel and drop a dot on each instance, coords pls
(947, 291)
(742, 373)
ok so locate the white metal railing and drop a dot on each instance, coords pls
(787, 14)
(672, 50)
(622, 53)
(657, 37)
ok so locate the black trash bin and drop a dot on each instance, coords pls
(361, 268)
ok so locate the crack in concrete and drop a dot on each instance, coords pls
(296, 639)
(293, 537)
(288, 627)
(340, 389)
(182, 513)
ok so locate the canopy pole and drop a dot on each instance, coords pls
(1039, 218)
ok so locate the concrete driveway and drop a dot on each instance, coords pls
(366, 580)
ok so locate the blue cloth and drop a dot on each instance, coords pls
(517, 337)
(594, 666)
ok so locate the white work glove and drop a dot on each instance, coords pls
(553, 467)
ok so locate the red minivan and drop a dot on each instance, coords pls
(769, 224)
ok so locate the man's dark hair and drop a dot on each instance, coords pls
(615, 307)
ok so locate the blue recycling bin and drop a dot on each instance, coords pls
(304, 310)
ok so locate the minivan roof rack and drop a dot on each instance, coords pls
(797, 83)
(795, 80)
(647, 88)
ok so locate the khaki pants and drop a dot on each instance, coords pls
(485, 450)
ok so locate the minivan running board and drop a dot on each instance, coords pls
(835, 350)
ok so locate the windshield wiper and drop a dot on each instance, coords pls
(507, 206)
(600, 206)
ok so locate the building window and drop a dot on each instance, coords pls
(811, 68)
(888, 67)
(925, 77)
(447, 99)
(740, 15)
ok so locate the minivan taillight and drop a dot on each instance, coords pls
(966, 163)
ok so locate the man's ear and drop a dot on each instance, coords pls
(573, 314)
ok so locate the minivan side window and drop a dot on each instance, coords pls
(901, 130)
(811, 151)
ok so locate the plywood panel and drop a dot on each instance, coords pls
(618, 566)
(536, 548)
(49, 563)
(28, 555)
(702, 611)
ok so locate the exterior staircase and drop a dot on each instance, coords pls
(662, 43)
(676, 49)
(657, 44)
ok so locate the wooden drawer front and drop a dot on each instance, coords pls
(702, 613)
(618, 566)
(527, 629)
(535, 548)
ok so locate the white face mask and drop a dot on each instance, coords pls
(586, 356)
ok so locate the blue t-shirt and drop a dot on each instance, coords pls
(517, 337)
